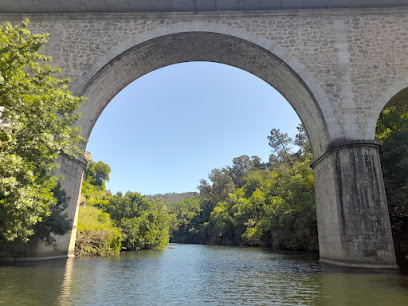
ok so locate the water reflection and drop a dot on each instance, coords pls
(195, 275)
(64, 298)
(359, 288)
(32, 284)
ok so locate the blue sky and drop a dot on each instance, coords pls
(168, 129)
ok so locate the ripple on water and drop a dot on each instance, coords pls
(196, 275)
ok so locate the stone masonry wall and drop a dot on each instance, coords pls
(352, 210)
(356, 58)
(64, 245)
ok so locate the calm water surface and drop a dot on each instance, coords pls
(196, 275)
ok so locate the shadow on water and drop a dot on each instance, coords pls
(33, 283)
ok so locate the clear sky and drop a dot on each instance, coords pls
(168, 129)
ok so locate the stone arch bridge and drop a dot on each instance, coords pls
(338, 63)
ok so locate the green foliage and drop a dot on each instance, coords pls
(93, 185)
(141, 222)
(56, 223)
(172, 198)
(392, 130)
(144, 223)
(97, 173)
(280, 144)
(255, 204)
(95, 195)
(37, 113)
(96, 236)
(184, 216)
(132, 205)
(241, 166)
(275, 208)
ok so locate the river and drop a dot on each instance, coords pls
(196, 275)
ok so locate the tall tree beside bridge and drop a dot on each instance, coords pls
(36, 116)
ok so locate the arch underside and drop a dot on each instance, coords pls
(203, 46)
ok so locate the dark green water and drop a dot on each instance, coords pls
(196, 275)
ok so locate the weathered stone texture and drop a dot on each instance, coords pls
(72, 171)
(352, 227)
(377, 61)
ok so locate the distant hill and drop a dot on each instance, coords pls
(172, 197)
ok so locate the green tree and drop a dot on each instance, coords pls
(392, 130)
(302, 141)
(185, 213)
(144, 223)
(96, 236)
(93, 185)
(255, 204)
(241, 166)
(131, 205)
(280, 144)
(97, 173)
(37, 113)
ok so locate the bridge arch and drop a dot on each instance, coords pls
(205, 42)
(395, 94)
(353, 223)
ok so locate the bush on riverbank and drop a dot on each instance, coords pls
(110, 223)
(96, 236)
(144, 223)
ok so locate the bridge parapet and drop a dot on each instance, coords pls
(121, 6)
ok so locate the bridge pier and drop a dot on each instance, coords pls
(352, 212)
(72, 171)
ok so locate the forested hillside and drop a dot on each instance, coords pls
(253, 203)
(172, 198)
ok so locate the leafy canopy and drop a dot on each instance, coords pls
(37, 113)
(254, 203)
(392, 130)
